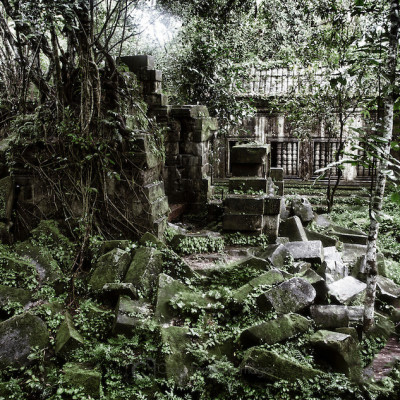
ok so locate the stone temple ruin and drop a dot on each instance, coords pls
(310, 277)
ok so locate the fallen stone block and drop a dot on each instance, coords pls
(316, 281)
(387, 289)
(267, 365)
(110, 267)
(275, 331)
(326, 241)
(277, 254)
(143, 271)
(151, 239)
(293, 229)
(108, 245)
(178, 365)
(335, 316)
(112, 291)
(338, 351)
(310, 251)
(290, 296)
(167, 289)
(79, 376)
(68, 338)
(349, 331)
(19, 336)
(346, 290)
(130, 314)
(346, 235)
(333, 271)
(9, 295)
(359, 268)
(268, 279)
(351, 252)
(302, 208)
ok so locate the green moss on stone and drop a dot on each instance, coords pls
(68, 338)
(89, 380)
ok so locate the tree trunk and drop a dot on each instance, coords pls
(376, 204)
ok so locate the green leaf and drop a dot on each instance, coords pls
(395, 197)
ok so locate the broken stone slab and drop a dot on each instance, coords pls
(335, 316)
(110, 268)
(347, 290)
(293, 229)
(19, 336)
(349, 331)
(302, 208)
(178, 364)
(277, 254)
(290, 296)
(144, 269)
(322, 220)
(130, 314)
(79, 376)
(346, 235)
(351, 252)
(327, 241)
(9, 295)
(310, 251)
(68, 338)
(339, 351)
(112, 291)
(267, 365)
(331, 253)
(167, 289)
(387, 289)
(275, 331)
(270, 278)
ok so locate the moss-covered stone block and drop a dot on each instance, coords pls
(48, 234)
(144, 270)
(110, 268)
(129, 314)
(9, 295)
(112, 291)
(167, 289)
(109, 245)
(68, 338)
(267, 365)
(338, 351)
(18, 336)
(151, 239)
(268, 279)
(275, 331)
(78, 376)
(41, 258)
(290, 296)
(178, 365)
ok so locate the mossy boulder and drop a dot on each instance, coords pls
(88, 380)
(68, 338)
(178, 365)
(270, 278)
(18, 336)
(276, 254)
(112, 291)
(336, 316)
(338, 351)
(290, 296)
(110, 268)
(267, 365)
(275, 331)
(129, 314)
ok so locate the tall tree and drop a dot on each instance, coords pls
(387, 132)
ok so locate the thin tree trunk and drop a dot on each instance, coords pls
(376, 204)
